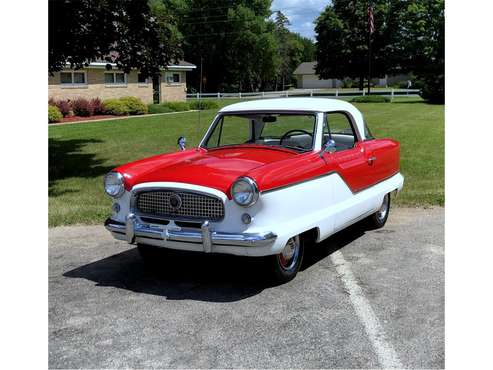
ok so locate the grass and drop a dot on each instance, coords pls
(80, 154)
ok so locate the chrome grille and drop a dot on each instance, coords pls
(193, 205)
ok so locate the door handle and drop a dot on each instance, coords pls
(371, 159)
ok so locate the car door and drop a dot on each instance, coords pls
(352, 161)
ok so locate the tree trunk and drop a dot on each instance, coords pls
(361, 83)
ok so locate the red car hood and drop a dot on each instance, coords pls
(216, 168)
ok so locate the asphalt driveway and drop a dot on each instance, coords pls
(364, 299)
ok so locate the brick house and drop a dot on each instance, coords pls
(95, 81)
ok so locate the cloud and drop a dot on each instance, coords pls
(301, 14)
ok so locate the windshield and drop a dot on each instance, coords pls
(287, 130)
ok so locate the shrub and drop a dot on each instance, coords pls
(115, 107)
(62, 105)
(433, 88)
(134, 105)
(203, 104)
(371, 99)
(54, 114)
(169, 107)
(97, 106)
(82, 107)
(65, 107)
(158, 108)
(347, 83)
(178, 106)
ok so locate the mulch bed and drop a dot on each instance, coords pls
(90, 118)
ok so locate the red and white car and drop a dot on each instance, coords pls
(267, 177)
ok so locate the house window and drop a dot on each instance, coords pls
(172, 77)
(65, 77)
(141, 79)
(115, 78)
(72, 78)
(79, 77)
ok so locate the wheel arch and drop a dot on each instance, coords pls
(311, 236)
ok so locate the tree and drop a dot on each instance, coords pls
(233, 39)
(422, 42)
(131, 33)
(342, 39)
(290, 50)
(308, 47)
(409, 37)
(286, 47)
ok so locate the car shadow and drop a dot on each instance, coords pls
(197, 276)
(322, 250)
(66, 159)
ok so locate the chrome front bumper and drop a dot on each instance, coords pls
(133, 230)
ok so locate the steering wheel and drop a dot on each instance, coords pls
(286, 134)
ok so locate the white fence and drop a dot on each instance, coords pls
(306, 92)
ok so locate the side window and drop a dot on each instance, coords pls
(368, 134)
(337, 127)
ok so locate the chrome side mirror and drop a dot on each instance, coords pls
(329, 147)
(181, 142)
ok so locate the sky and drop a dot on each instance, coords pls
(301, 14)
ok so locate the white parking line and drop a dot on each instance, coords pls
(387, 357)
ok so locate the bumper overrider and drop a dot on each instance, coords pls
(173, 236)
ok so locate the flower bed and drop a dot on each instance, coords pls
(91, 118)
(82, 109)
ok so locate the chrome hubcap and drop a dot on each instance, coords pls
(382, 212)
(289, 255)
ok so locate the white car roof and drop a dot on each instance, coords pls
(300, 104)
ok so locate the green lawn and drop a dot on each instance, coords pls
(80, 154)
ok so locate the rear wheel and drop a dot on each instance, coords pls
(379, 218)
(286, 264)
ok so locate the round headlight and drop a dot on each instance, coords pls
(114, 184)
(245, 191)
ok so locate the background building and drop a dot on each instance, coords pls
(95, 81)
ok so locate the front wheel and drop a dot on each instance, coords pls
(379, 218)
(286, 264)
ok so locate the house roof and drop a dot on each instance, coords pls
(305, 68)
(180, 65)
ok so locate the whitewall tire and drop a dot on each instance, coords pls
(286, 264)
(379, 218)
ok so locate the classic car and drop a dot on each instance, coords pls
(269, 178)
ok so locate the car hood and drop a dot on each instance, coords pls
(216, 168)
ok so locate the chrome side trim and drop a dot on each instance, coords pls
(298, 182)
(324, 175)
(204, 236)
